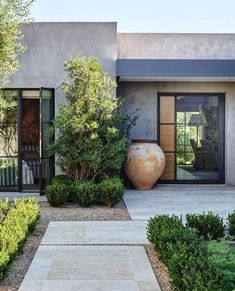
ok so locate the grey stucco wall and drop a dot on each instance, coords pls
(51, 44)
(144, 96)
(175, 46)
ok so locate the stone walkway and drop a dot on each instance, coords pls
(92, 256)
(180, 200)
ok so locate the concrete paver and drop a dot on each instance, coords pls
(180, 200)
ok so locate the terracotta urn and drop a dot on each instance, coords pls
(145, 163)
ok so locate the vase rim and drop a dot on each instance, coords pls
(144, 141)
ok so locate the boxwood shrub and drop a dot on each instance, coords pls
(57, 194)
(19, 221)
(110, 191)
(231, 224)
(62, 189)
(185, 254)
(84, 192)
(207, 225)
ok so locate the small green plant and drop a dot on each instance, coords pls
(57, 194)
(222, 258)
(208, 225)
(84, 192)
(110, 191)
(66, 182)
(20, 220)
(231, 224)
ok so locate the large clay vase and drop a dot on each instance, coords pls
(145, 163)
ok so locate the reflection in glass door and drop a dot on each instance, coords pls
(30, 141)
(192, 137)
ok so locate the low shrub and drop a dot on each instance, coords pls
(110, 191)
(65, 181)
(231, 224)
(57, 194)
(208, 225)
(20, 220)
(222, 259)
(185, 254)
(163, 230)
(84, 192)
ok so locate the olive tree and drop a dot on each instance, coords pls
(12, 14)
(91, 129)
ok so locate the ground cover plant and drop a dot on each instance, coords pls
(17, 222)
(194, 261)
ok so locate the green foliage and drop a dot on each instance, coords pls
(184, 253)
(208, 225)
(222, 258)
(163, 229)
(20, 220)
(12, 14)
(110, 191)
(92, 128)
(57, 194)
(231, 224)
(84, 192)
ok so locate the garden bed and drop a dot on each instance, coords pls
(198, 255)
(67, 213)
(16, 223)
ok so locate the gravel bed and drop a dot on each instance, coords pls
(67, 213)
(160, 270)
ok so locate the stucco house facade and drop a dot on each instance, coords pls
(183, 84)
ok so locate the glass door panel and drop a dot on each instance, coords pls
(197, 137)
(8, 140)
(47, 115)
(167, 134)
(30, 140)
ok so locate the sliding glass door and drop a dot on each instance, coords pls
(191, 132)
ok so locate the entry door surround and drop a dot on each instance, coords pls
(167, 137)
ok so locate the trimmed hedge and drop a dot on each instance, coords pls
(19, 221)
(208, 225)
(57, 194)
(110, 191)
(85, 193)
(185, 254)
(231, 224)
